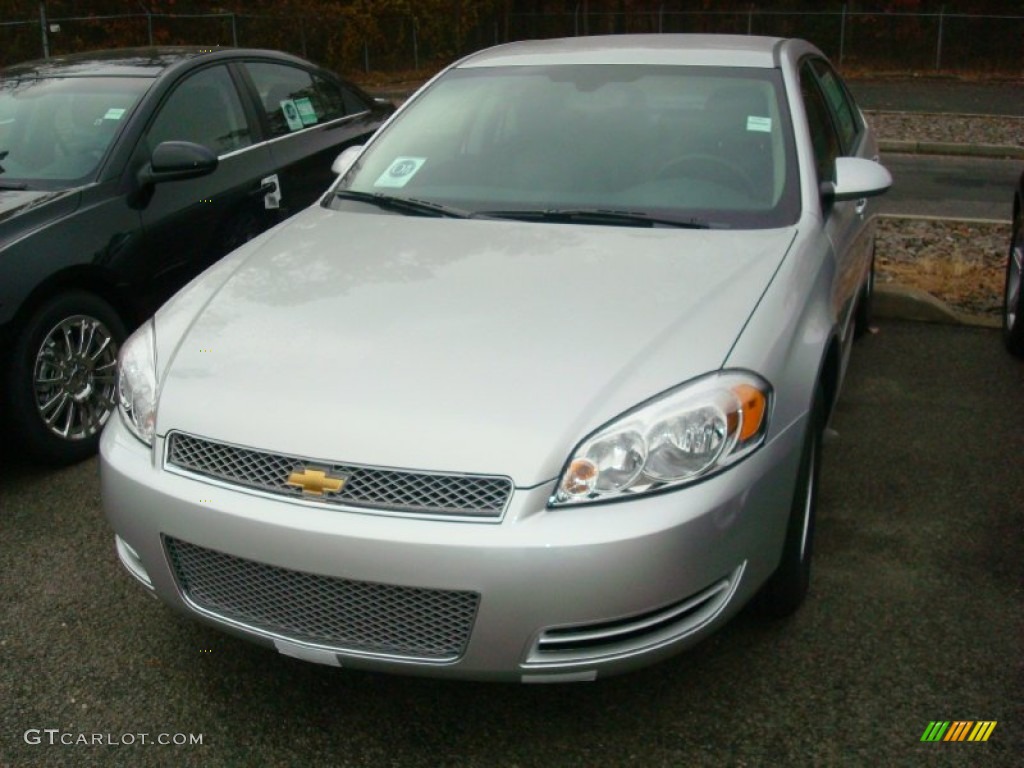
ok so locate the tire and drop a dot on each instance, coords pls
(1013, 290)
(62, 382)
(786, 589)
(865, 303)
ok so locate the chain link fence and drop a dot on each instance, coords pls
(367, 43)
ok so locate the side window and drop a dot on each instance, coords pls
(846, 116)
(353, 102)
(823, 135)
(292, 99)
(204, 109)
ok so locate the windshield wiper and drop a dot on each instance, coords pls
(403, 204)
(594, 216)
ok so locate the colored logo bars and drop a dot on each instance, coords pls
(959, 730)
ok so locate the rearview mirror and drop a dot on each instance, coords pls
(344, 161)
(857, 178)
(177, 160)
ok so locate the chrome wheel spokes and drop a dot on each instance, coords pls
(74, 378)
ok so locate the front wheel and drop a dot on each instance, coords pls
(786, 589)
(62, 380)
(1013, 293)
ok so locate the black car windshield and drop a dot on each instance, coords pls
(55, 131)
(705, 146)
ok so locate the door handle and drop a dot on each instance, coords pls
(270, 188)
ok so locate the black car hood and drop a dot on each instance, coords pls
(24, 210)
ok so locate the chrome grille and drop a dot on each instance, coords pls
(375, 488)
(342, 614)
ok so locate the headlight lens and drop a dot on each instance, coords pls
(136, 383)
(680, 436)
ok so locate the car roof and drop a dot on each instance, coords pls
(130, 62)
(673, 49)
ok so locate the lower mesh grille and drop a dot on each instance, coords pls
(342, 614)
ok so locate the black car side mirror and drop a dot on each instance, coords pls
(177, 160)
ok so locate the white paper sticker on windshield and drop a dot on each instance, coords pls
(291, 114)
(306, 112)
(760, 124)
(113, 114)
(400, 171)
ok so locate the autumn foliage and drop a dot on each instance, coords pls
(385, 38)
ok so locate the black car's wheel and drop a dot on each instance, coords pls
(62, 379)
(786, 589)
(1013, 293)
(862, 315)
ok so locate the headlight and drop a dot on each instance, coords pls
(682, 435)
(136, 383)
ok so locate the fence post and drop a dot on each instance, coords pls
(661, 18)
(750, 19)
(149, 28)
(576, 20)
(42, 29)
(938, 44)
(842, 35)
(415, 44)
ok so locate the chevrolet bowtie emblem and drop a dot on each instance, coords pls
(315, 482)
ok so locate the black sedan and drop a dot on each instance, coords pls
(125, 173)
(1013, 296)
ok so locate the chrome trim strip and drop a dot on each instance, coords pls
(539, 658)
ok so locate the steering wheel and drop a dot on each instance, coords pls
(712, 167)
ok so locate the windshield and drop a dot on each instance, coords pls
(55, 131)
(699, 145)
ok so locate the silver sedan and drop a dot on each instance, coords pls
(537, 391)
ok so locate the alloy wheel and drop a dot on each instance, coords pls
(74, 377)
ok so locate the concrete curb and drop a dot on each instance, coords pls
(902, 302)
(949, 148)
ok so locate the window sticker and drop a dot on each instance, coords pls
(114, 113)
(401, 170)
(759, 124)
(291, 114)
(306, 112)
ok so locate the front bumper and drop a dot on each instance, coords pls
(542, 595)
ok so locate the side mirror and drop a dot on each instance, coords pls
(177, 160)
(857, 178)
(343, 162)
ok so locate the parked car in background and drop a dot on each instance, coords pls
(537, 393)
(1013, 293)
(125, 173)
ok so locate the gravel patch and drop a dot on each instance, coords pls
(954, 129)
(961, 263)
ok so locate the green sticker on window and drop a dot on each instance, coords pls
(306, 112)
(291, 115)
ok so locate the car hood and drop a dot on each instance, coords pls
(451, 345)
(21, 210)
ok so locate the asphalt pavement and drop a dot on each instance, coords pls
(961, 187)
(940, 94)
(915, 616)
